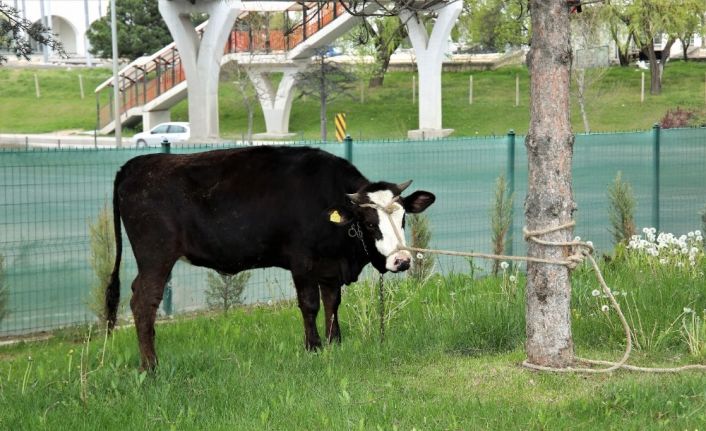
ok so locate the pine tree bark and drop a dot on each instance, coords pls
(549, 199)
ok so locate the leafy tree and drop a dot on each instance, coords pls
(386, 33)
(648, 20)
(496, 24)
(326, 81)
(689, 20)
(140, 27)
(17, 34)
(618, 23)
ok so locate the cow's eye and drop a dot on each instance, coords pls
(370, 226)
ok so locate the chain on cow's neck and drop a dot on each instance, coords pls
(356, 232)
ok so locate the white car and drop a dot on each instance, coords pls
(174, 132)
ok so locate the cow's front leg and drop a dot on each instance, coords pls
(308, 298)
(331, 296)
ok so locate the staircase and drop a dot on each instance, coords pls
(158, 82)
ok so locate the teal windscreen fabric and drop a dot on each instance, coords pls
(48, 198)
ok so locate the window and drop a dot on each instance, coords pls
(160, 129)
(177, 129)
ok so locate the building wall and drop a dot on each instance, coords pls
(67, 18)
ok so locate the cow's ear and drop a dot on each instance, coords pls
(418, 201)
(339, 216)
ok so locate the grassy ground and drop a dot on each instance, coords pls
(388, 112)
(451, 360)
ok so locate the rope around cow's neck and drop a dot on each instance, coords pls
(581, 251)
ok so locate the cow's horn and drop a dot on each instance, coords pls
(354, 197)
(404, 185)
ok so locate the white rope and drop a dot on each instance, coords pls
(581, 251)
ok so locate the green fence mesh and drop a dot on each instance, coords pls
(49, 197)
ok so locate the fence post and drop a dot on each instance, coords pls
(655, 182)
(167, 298)
(510, 172)
(348, 142)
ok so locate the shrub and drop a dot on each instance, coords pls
(679, 117)
(703, 219)
(622, 210)
(4, 294)
(500, 219)
(224, 291)
(102, 258)
(421, 236)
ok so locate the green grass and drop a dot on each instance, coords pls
(613, 104)
(451, 360)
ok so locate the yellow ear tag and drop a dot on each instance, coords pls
(335, 217)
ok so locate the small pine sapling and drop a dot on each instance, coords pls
(500, 219)
(422, 266)
(102, 259)
(622, 210)
(4, 294)
(225, 291)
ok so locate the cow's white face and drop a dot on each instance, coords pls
(391, 230)
(377, 218)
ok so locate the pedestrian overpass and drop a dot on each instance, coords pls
(150, 86)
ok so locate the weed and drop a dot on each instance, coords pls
(693, 329)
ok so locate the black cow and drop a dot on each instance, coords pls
(301, 209)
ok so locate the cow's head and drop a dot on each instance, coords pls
(376, 216)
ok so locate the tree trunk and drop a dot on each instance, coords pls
(382, 59)
(623, 49)
(549, 199)
(685, 48)
(655, 81)
(581, 97)
(323, 96)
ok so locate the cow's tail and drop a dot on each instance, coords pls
(112, 292)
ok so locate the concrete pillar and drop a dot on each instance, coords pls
(276, 104)
(152, 118)
(201, 58)
(429, 51)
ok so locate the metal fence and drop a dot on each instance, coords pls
(49, 197)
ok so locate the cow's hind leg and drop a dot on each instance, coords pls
(331, 296)
(308, 298)
(147, 291)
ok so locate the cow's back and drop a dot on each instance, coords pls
(238, 208)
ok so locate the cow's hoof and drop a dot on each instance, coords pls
(313, 346)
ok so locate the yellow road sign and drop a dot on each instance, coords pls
(340, 121)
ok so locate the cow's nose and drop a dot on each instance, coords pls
(402, 264)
